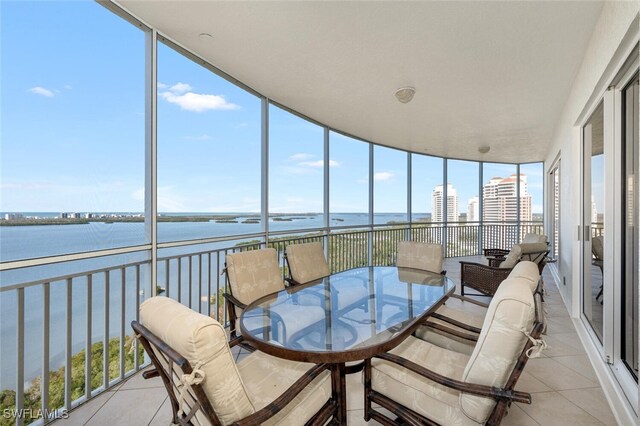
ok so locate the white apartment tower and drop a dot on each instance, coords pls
(473, 210)
(438, 204)
(500, 199)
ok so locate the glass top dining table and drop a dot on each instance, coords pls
(348, 316)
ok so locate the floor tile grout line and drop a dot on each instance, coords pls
(580, 408)
(158, 410)
(100, 407)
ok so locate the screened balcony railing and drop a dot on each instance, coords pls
(64, 323)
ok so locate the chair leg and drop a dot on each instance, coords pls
(367, 389)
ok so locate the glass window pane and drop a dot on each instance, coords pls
(500, 193)
(73, 129)
(629, 314)
(531, 196)
(426, 174)
(296, 172)
(594, 249)
(462, 204)
(349, 181)
(208, 152)
(389, 186)
(462, 178)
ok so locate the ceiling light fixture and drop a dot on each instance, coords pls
(405, 94)
(484, 149)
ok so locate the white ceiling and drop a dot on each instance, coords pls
(485, 73)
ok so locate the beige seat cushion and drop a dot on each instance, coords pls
(267, 377)
(512, 258)
(201, 339)
(425, 397)
(253, 274)
(510, 314)
(423, 256)
(465, 312)
(307, 262)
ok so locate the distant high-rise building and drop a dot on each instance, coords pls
(473, 210)
(500, 199)
(438, 204)
(594, 211)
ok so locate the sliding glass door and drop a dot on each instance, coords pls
(593, 282)
(629, 291)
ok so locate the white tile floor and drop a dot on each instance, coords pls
(563, 385)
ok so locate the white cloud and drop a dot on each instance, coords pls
(68, 87)
(198, 102)
(319, 163)
(383, 176)
(41, 91)
(161, 86)
(180, 88)
(301, 157)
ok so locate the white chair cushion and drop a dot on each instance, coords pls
(201, 339)
(307, 262)
(425, 397)
(423, 256)
(511, 311)
(512, 258)
(534, 238)
(267, 377)
(528, 271)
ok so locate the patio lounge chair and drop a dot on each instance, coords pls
(486, 278)
(191, 354)
(457, 324)
(495, 256)
(422, 383)
(597, 249)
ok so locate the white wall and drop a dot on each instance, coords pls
(614, 23)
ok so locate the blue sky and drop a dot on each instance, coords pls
(73, 131)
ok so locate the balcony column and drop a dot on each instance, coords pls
(264, 169)
(445, 209)
(480, 207)
(151, 154)
(409, 190)
(326, 194)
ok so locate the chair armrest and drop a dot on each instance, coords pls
(470, 300)
(471, 388)
(483, 278)
(451, 331)
(456, 323)
(234, 301)
(285, 398)
(495, 252)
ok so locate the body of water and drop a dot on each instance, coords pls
(25, 242)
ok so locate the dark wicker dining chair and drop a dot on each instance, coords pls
(423, 384)
(191, 355)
